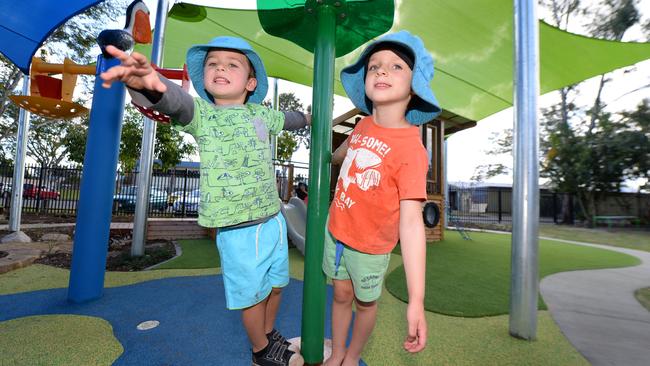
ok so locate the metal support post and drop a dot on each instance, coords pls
(19, 164)
(320, 157)
(525, 214)
(148, 144)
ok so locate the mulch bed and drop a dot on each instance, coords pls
(119, 255)
(119, 246)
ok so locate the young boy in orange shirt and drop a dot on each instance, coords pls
(380, 190)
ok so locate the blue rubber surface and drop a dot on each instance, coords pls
(195, 326)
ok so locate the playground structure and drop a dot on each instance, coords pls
(51, 97)
(322, 32)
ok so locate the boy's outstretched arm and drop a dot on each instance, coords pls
(413, 246)
(294, 120)
(135, 71)
(147, 88)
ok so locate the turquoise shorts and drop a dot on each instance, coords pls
(366, 271)
(254, 259)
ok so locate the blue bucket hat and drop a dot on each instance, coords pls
(424, 106)
(196, 58)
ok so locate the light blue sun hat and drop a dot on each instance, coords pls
(424, 106)
(196, 58)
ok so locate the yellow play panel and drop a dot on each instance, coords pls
(49, 107)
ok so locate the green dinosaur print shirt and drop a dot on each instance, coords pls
(237, 175)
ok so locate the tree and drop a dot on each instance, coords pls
(289, 141)
(74, 39)
(586, 150)
(170, 146)
(47, 141)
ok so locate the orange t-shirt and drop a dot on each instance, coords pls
(382, 166)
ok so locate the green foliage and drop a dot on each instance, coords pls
(289, 141)
(131, 139)
(286, 145)
(75, 140)
(170, 146)
(51, 141)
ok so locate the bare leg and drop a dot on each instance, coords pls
(341, 317)
(253, 320)
(272, 307)
(364, 322)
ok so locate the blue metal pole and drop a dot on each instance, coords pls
(96, 194)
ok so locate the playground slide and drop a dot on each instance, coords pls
(295, 214)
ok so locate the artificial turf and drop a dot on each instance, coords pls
(198, 253)
(452, 340)
(58, 340)
(643, 297)
(472, 278)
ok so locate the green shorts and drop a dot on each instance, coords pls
(366, 271)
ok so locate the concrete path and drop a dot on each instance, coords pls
(598, 313)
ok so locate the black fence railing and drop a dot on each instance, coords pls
(489, 205)
(174, 193)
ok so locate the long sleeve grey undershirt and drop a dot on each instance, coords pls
(178, 104)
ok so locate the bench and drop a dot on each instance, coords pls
(611, 220)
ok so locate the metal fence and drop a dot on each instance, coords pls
(490, 205)
(493, 205)
(174, 193)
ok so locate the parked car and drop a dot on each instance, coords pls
(174, 196)
(190, 202)
(42, 192)
(125, 200)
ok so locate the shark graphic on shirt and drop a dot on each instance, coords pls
(359, 167)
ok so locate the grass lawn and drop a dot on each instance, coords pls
(472, 278)
(199, 253)
(643, 295)
(631, 238)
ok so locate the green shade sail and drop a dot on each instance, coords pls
(295, 20)
(471, 41)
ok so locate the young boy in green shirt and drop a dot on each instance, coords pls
(238, 189)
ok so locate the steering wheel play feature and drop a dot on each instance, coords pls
(431, 214)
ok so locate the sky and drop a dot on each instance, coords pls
(467, 149)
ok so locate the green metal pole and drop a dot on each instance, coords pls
(313, 300)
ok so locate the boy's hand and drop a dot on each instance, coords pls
(135, 71)
(308, 118)
(416, 339)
